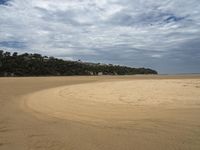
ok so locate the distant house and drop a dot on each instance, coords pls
(100, 73)
(46, 58)
(90, 73)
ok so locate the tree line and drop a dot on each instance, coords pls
(14, 64)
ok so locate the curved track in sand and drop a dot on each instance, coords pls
(118, 102)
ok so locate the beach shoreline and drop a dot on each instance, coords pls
(31, 120)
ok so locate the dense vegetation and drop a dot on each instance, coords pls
(38, 65)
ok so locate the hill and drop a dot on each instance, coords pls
(38, 65)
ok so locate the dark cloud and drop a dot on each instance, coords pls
(13, 44)
(124, 18)
(4, 2)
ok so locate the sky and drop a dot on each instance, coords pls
(160, 34)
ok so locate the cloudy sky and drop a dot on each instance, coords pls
(159, 34)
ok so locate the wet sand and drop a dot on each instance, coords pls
(107, 113)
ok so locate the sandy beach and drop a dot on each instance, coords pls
(100, 113)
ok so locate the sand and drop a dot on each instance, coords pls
(100, 113)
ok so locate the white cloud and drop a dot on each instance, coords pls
(91, 28)
(156, 56)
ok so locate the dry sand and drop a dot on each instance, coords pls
(100, 113)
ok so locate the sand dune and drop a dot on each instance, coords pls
(111, 113)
